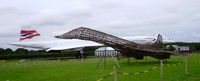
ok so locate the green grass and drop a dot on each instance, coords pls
(75, 70)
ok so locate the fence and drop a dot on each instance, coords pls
(151, 69)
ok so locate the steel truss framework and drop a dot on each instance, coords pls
(125, 47)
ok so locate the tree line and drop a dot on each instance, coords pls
(9, 51)
(192, 45)
(22, 53)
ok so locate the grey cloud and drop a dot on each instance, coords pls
(172, 18)
(7, 10)
(62, 18)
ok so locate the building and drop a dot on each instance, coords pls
(108, 51)
(181, 48)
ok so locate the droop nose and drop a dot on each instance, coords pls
(59, 36)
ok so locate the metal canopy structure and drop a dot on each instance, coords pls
(125, 47)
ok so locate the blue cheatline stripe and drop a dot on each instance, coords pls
(23, 35)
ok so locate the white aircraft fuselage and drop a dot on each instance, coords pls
(63, 44)
(30, 38)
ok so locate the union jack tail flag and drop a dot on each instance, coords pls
(28, 34)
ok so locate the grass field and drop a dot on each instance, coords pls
(75, 70)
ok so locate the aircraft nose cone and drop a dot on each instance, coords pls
(58, 36)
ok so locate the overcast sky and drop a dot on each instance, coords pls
(177, 20)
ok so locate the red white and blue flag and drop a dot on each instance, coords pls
(28, 34)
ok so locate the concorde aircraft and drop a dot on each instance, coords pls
(30, 38)
(125, 47)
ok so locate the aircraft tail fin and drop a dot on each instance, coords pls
(159, 39)
(27, 32)
(158, 43)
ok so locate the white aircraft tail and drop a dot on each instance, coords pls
(27, 32)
